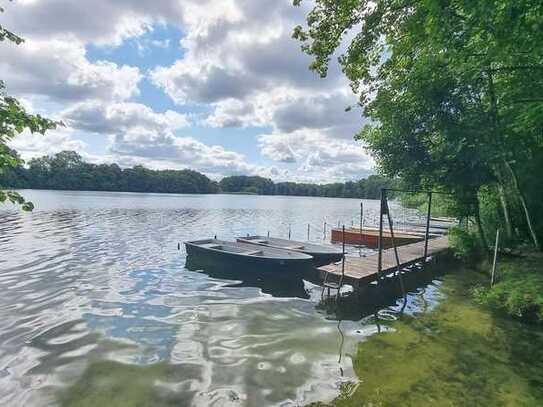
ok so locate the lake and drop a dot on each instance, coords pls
(97, 303)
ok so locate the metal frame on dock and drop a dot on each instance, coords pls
(363, 270)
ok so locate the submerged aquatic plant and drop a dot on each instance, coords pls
(458, 354)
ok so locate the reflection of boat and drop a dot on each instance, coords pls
(321, 254)
(276, 284)
(370, 237)
(245, 254)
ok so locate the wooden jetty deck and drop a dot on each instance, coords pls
(362, 270)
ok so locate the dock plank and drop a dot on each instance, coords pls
(364, 269)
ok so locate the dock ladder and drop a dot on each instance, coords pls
(335, 285)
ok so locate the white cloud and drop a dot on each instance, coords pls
(96, 117)
(170, 151)
(318, 156)
(239, 63)
(60, 71)
(103, 22)
(31, 145)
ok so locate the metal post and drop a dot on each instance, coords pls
(495, 257)
(380, 255)
(268, 233)
(289, 232)
(396, 255)
(308, 227)
(343, 246)
(324, 232)
(427, 236)
(361, 216)
(342, 262)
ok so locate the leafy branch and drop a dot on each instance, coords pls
(14, 119)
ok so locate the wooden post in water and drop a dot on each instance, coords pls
(308, 228)
(427, 235)
(324, 232)
(495, 257)
(268, 233)
(289, 232)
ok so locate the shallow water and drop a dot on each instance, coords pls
(97, 306)
(459, 354)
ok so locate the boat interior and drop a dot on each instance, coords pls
(230, 248)
(284, 243)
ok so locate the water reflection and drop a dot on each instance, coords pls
(98, 307)
(275, 284)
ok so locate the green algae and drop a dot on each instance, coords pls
(458, 354)
(109, 383)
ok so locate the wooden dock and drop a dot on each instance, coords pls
(363, 270)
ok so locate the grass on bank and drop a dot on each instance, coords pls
(518, 290)
(518, 287)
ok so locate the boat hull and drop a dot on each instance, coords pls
(256, 263)
(370, 238)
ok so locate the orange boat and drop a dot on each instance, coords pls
(369, 237)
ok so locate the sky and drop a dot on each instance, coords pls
(217, 86)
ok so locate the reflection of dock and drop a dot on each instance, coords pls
(361, 270)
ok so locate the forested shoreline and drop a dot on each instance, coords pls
(68, 171)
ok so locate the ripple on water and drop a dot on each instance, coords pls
(98, 307)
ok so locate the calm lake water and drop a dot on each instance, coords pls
(96, 302)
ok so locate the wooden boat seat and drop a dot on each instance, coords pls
(253, 253)
(211, 246)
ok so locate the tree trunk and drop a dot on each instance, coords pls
(505, 209)
(524, 205)
(480, 230)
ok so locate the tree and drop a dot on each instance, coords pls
(14, 120)
(445, 84)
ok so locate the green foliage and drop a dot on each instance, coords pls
(519, 290)
(369, 188)
(253, 185)
(466, 244)
(453, 90)
(442, 205)
(14, 120)
(67, 170)
(17, 199)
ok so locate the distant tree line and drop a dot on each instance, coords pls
(369, 188)
(68, 171)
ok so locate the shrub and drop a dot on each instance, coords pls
(519, 292)
(465, 244)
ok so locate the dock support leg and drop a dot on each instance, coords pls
(427, 235)
(380, 244)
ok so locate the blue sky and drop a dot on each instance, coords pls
(218, 86)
